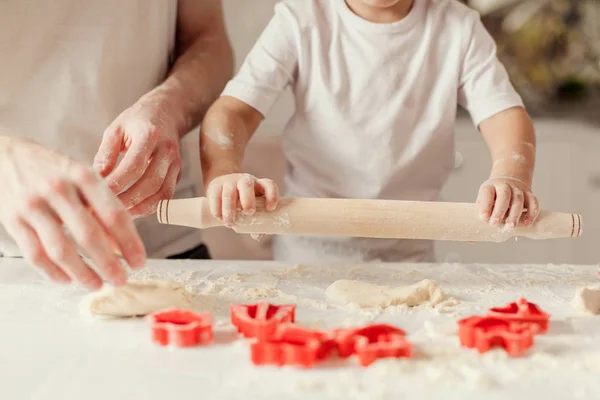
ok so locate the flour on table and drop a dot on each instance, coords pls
(136, 299)
(588, 299)
(367, 295)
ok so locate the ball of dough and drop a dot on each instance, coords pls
(368, 295)
(136, 299)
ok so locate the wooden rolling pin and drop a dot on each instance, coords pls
(369, 218)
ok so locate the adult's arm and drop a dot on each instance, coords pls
(149, 132)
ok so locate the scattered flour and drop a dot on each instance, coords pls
(519, 158)
(282, 220)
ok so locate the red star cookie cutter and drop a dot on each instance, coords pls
(485, 333)
(523, 312)
(292, 345)
(181, 328)
(373, 342)
(262, 319)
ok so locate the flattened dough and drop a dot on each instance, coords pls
(588, 299)
(368, 295)
(136, 299)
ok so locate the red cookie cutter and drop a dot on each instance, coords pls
(181, 328)
(523, 312)
(485, 333)
(292, 345)
(373, 342)
(260, 320)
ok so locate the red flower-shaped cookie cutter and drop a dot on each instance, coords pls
(523, 312)
(181, 328)
(372, 343)
(262, 319)
(292, 345)
(485, 333)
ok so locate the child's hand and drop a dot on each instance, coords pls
(225, 192)
(503, 200)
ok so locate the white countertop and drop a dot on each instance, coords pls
(49, 352)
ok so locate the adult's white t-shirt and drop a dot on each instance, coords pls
(68, 68)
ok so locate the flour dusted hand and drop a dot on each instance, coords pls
(149, 136)
(228, 192)
(136, 299)
(510, 136)
(44, 192)
(503, 200)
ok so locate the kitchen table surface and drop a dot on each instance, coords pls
(49, 351)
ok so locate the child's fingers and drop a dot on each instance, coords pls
(533, 209)
(245, 187)
(214, 193)
(229, 203)
(516, 208)
(271, 192)
(485, 201)
(503, 198)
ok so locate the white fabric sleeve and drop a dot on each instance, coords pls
(485, 88)
(271, 64)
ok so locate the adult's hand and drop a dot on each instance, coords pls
(148, 136)
(44, 192)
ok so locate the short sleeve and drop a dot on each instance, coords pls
(271, 64)
(485, 88)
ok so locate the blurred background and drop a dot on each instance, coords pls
(551, 49)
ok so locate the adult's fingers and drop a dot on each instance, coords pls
(502, 203)
(108, 154)
(533, 209)
(165, 192)
(87, 232)
(134, 163)
(34, 252)
(245, 188)
(114, 218)
(271, 193)
(152, 181)
(229, 203)
(516, 208)
(59, 248)
(485, 201)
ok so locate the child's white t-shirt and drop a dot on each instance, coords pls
(375, 103)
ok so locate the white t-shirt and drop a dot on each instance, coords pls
(375, 103)
(68, 68)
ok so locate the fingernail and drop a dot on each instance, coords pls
(484, 216)
(510, 225)
(495, 221)
(137, 261)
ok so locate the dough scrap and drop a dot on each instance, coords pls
(136, 299)
(588, 299)
(368, 295)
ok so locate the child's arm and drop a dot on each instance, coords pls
(225, 133)
(497, 110)
(230, 123)
(503, 197)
